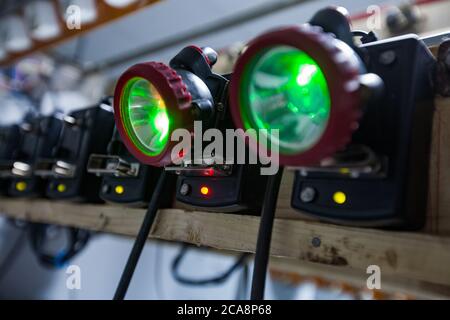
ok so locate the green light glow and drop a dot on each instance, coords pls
(145, 116)
(284, 88)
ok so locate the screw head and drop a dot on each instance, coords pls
(307, 194)
(316, 242)
(185, 189)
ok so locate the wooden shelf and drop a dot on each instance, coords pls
(412, 262)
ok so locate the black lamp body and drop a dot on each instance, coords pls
(37, 141)
(84, 132)
(396, 130)
(10, 137)
(125, 180)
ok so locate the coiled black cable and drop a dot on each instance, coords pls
(208, 281)
(141, 238)
(37, 233)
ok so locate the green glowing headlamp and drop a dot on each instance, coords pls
(150, 101)
(303, 83)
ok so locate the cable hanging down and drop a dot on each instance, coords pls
(141, 238)
(265, 236)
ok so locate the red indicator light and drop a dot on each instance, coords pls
(204, 190)
(181, 154)
(209, 172)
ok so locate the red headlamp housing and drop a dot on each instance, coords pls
(175, 95)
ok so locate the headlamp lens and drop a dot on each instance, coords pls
(145, 116)
(284, 88)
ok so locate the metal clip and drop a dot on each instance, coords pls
(21, 169)
(354, 162)
(208, 167)
(109, 165)
(55, 168)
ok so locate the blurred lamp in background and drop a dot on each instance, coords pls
(14, 34)
(14, 107)
(42, 20)
(119, 3)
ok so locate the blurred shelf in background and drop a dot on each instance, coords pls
(70, 20)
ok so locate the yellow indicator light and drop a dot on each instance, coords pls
(339, 197)
(204, 191)
(344, 170)
(119, 189)
(21, 186)
(61, 187)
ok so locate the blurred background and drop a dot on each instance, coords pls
(62, 55)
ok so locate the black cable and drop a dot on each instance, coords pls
(359, 33)
(366, 37)
(141, 238)
(37, 232)
(265, 236)
(203, 282)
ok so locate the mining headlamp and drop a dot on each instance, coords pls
(152, 99)
(303, 82)
(354, 120)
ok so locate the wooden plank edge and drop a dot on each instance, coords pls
(414, 256)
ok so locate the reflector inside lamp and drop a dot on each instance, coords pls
(145, 116)
(284, 88)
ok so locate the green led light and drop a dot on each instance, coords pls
(145, 116)
(284, 88)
